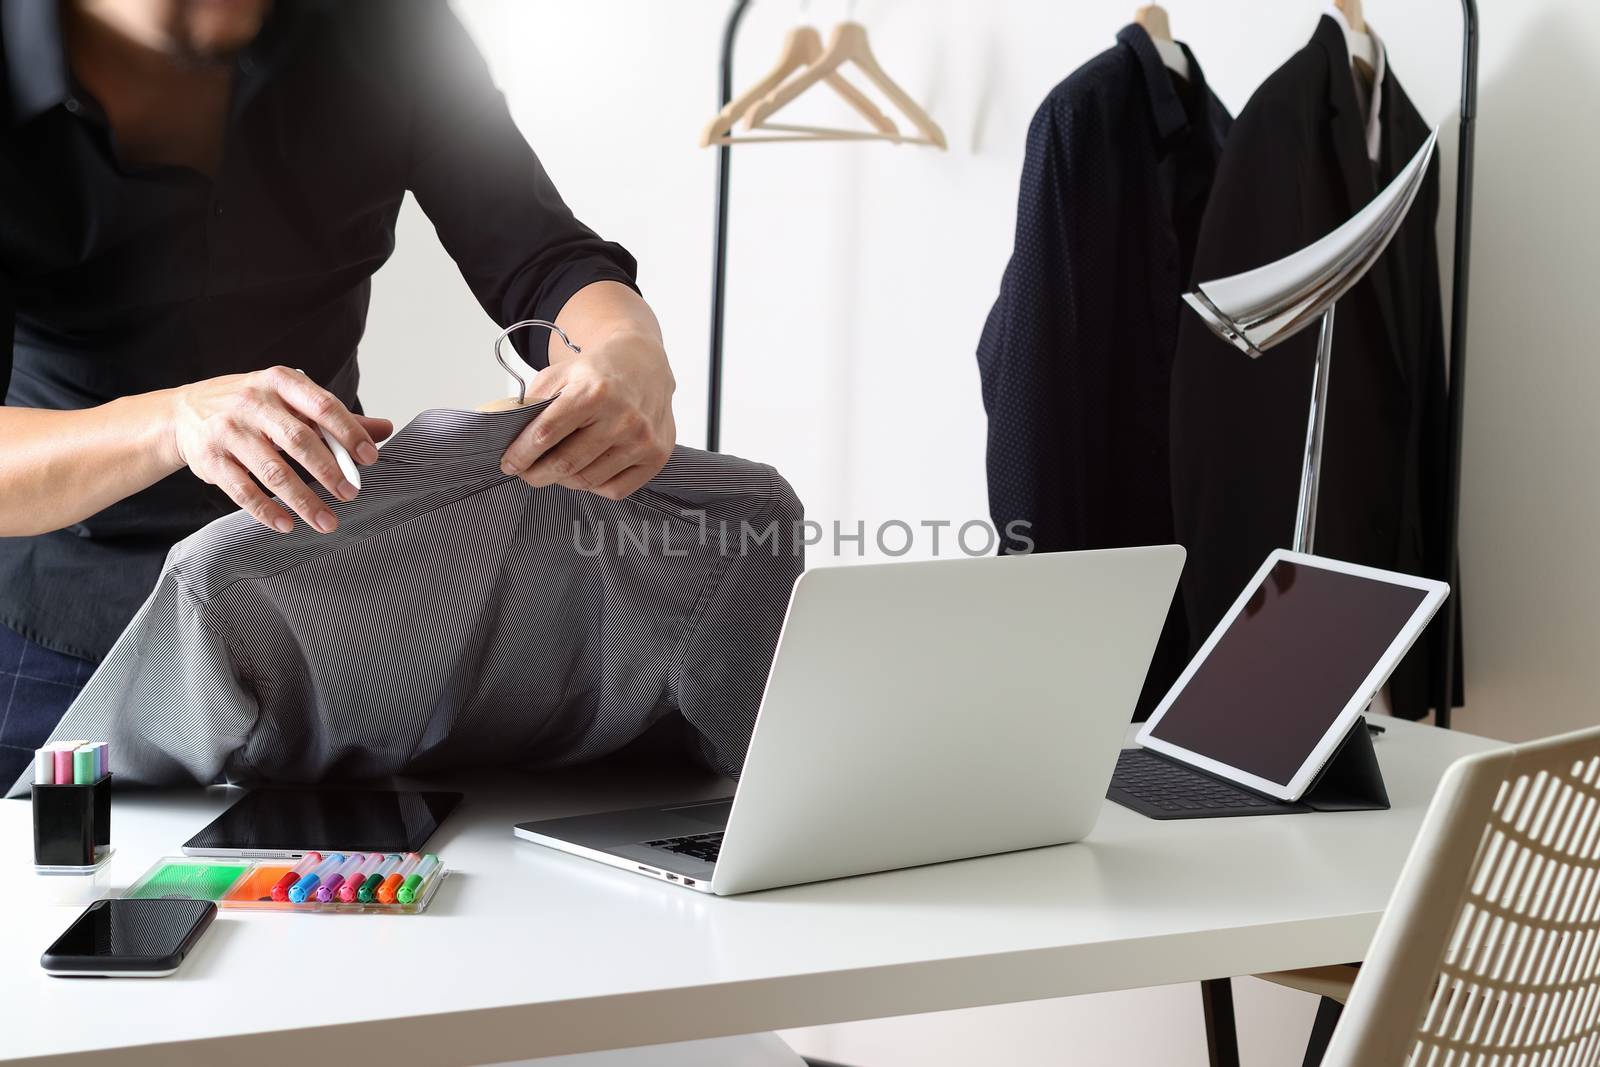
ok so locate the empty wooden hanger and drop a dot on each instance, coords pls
(801, 47)
(847, 44)
(1153, 17)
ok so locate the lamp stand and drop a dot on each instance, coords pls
(1305, 520)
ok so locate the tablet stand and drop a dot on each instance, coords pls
(1351, 780)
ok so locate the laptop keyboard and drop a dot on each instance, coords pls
(1169, 786)
(697, 846)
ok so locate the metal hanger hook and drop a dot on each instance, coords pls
(500, 358)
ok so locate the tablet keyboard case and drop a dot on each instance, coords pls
(1350, 781)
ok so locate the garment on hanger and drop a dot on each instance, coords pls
(456, 619)
(1368, 82)
(1077, 351)
(1295, 167)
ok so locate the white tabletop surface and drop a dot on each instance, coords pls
(527, 952)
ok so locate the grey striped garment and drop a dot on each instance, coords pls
(456, 618)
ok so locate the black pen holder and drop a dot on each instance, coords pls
(72, 823)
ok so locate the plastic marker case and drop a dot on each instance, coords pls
(271, 885)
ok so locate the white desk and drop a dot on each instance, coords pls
(527, 952)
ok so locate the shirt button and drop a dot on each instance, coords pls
(247, 65)
(72, 105)
(217, 210)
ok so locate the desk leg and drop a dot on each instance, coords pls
(1222, 1037)
(1328, 1012)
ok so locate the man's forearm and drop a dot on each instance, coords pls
(60, 467)
(233, 432)
(600, 312)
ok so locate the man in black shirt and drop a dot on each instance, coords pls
(194, 195)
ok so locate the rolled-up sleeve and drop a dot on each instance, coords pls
(496, 210)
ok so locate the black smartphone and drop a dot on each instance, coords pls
(129, 939)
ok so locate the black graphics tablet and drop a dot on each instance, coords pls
(287, 822)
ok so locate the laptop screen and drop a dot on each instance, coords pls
(1286, 667)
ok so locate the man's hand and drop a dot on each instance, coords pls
(234, 431)
(610, 430)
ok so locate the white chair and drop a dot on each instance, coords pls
(1489, 952)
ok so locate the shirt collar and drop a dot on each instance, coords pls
(462, 440)
(35, 58)
(35, 53)
(1373, 124)
(265, 55)
(1171, 118)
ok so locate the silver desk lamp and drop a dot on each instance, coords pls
(1263, 307)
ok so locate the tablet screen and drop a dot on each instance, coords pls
(287, 821)
(1285, 668)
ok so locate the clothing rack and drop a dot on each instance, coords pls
(719, 236)
(1444, 684)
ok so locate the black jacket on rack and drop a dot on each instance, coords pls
(1076, 354)
(1295, 167)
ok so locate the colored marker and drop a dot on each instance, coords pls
(411, 888)
(369, 888)
(308, 885)
(327, 889)
(347, 891)
(308, 863)
(44, 766)
(83, 766)
(102, 759)
(391, 885)
(63, 757)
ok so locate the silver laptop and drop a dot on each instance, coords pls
(916, 713)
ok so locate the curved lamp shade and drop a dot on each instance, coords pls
(1257, 309)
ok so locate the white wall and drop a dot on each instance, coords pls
(861, 275)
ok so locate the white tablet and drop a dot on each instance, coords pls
(1300, 654)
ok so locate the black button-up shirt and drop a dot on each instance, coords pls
(123, 279)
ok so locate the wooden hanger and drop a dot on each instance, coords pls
(801, 48)
(847, 44)
(1352, 14)
(1358, 43)
(1153, 17)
